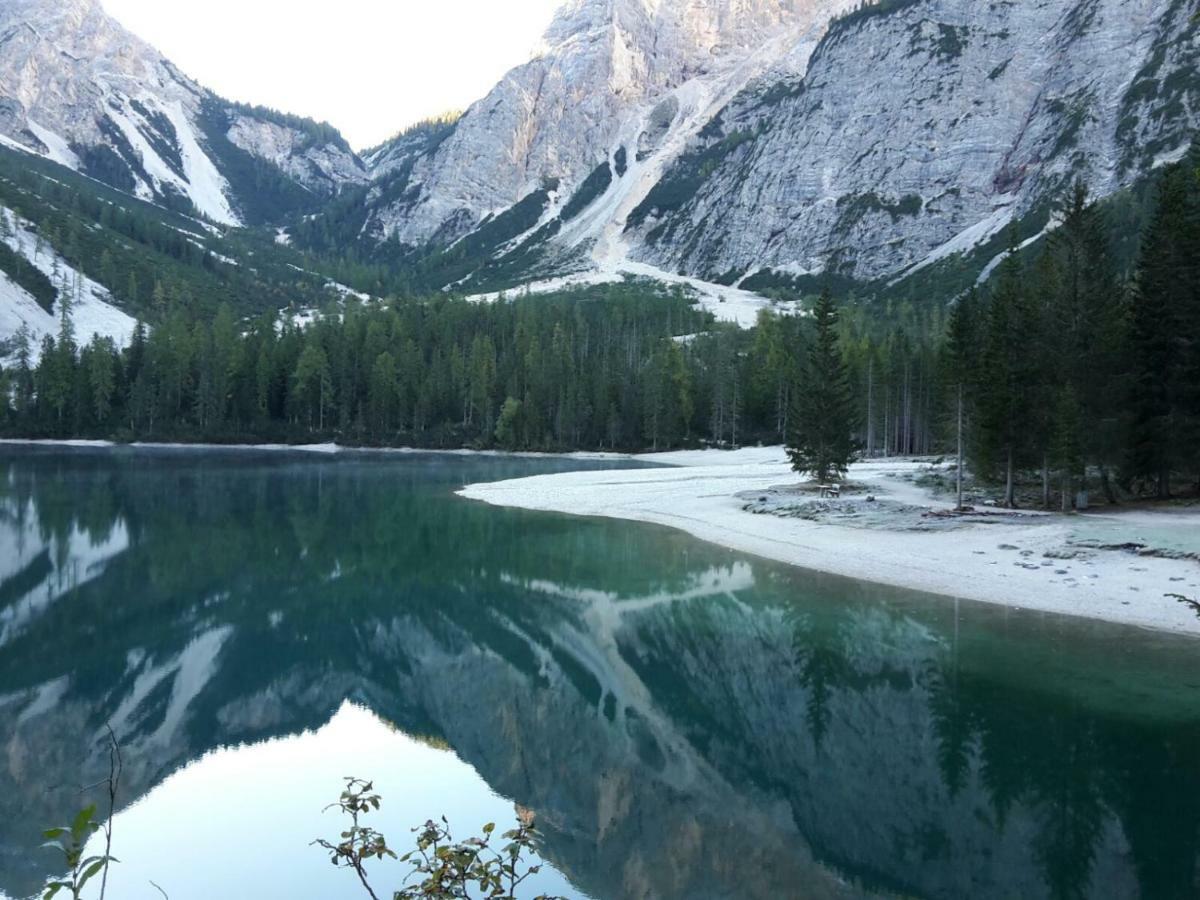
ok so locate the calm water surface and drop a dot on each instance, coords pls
(681, 721)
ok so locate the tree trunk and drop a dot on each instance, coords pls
(1106, 483)
(1045, 481)
(1066, 493)
(871, 408)
(887, 438)
(960, 447)
(1010, 498)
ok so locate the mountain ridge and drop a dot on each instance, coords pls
(728, 147)
(79, 88)
(860, 141)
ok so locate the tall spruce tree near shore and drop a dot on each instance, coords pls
(1008, 376)
(823, 420)
(961, 355)
(1165, 340)
(1085, 333)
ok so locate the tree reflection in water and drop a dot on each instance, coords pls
(684, 721)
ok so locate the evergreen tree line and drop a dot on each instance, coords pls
(1062, 367)
(131, 247)
(1066, 370)
(634, 368)
(534, 374)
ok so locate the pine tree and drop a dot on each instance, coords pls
(383, 393)
(1164, 302)
(23, 387)
(821, 442)
(508, 426)
(962, 352)
(312, 385)
(1087, 319)
(1067, 442)
(102, 377)
(57, 368)
(1007, 375)
(226, 355)
(159, 300)
(1190, 318)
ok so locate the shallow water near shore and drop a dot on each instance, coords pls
(678, 719)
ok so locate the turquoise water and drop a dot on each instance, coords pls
(679, 720)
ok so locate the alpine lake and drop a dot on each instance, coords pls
(679, 721)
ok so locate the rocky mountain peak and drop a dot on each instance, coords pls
(638, 74)
(713, 141)
(763, 141)
(70, 24)
(78, 87)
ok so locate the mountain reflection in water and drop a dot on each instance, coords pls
(683, 721)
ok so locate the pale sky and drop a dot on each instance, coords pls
(368, 66)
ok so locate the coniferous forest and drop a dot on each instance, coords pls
(1064, 366)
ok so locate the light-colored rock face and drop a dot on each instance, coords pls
(59, 61)
(80, 80)
(79, 88)
(914, 127)
(775, 135)
(603, 66)
(740, 135)
(317, 165)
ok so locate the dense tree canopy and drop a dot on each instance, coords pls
(1063, 364)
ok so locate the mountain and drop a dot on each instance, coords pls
(979, 114)
(739, 148)
(78, 88)
(759, 141)
(602, 65)
(117, 259)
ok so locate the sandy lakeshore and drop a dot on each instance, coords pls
(1118, 566)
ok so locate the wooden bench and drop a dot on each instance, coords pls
(831, 491)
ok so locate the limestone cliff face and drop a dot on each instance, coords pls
(604, 66)
(713, 139)
(924, 130)
(321, 165)
(806, 137)
(77, 87)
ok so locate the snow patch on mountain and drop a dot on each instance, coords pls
(206, 187)
(56, 148)
(199, 180)
(79, 89)
(965, 241)
(996, 261)
(92, 309)
(726, 303)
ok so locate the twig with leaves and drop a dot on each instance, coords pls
(359, 843)
(71, 840)
(449, 869)
(441, 867)
(116, 767)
